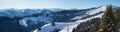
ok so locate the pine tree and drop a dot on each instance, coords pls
(107, 22)
(117, 19)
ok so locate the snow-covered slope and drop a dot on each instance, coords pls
(91, 12)
(103, 8)
(68, 26)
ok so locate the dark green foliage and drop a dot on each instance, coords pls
(117, 19)
(108, 21)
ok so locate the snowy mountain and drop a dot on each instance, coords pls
(25, 12)
(79, 17)
(47, 20)
(23, 20)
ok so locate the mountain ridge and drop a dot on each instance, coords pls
(70, 17)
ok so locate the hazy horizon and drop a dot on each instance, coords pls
(67, 4)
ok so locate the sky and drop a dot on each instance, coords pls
(67, 4)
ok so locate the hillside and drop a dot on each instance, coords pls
(54, 20)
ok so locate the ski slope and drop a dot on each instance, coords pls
(68, 26)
